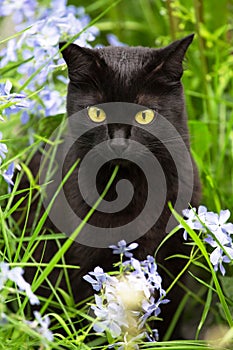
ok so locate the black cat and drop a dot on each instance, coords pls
(142, 77)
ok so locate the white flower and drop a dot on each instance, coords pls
(43, 323)
(15, 275)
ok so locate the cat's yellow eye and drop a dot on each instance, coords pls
(145, 117)
(96, 114)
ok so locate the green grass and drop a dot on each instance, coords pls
(208, 86)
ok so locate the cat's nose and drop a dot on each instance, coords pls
(118, 145)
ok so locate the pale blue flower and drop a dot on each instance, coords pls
(20, 9)
(122, 248)
(218, 257)
(19, 100)
(8, 53)
(8, 175)
(150, 271)
(43, 324)
(151, 308)
(110, 316)
(216, 222)
(218, 235)
(16, 275)
(114, 41)
(53, 102)
(153, 336)
(191, 217)
(98, 280)
(126, 300)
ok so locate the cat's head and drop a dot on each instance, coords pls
(149, 77)
(137, 75)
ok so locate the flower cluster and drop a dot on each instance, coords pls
(127, 301)
(11, 102)
(36, 49)
(218, 233)
(39, 324)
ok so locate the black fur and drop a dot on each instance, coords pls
(138, 75)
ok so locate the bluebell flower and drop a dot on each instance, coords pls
(8, 53)
(218, 257)
(121, 248)
(110, 316)
(20, 9)
(126, 301)
(216, 222)
(18, 100)
(53, 102)
(153, 336)
(98, 280)
(43, 324)
(24, 117)
(16, 275)
(218, 233)
(150, 270)
(191, 217)
(151, 308)
(8, 175)
(114, 41)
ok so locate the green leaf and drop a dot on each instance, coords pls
(201, 138)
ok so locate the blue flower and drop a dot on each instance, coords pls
(98, 280)
(8, 175)
(53, 102)
(216, 222)
(218, 233)
(40, 325)
(218, 257)
(151, 308)
(16, 276)
(110, 316)
(114, 41)
(126, 301)
(191, 217)
(43, 324)
(22, 10)
(150, 270)
(18, 100)
(121, 248)
(8, 53)
(153, 336)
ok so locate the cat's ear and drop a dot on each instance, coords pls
(171, 58)
(83, 63)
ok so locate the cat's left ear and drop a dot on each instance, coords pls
(172, 57)
(83, 63)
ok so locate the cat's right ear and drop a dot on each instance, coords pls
(83, 63)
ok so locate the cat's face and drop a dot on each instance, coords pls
(149, 79)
